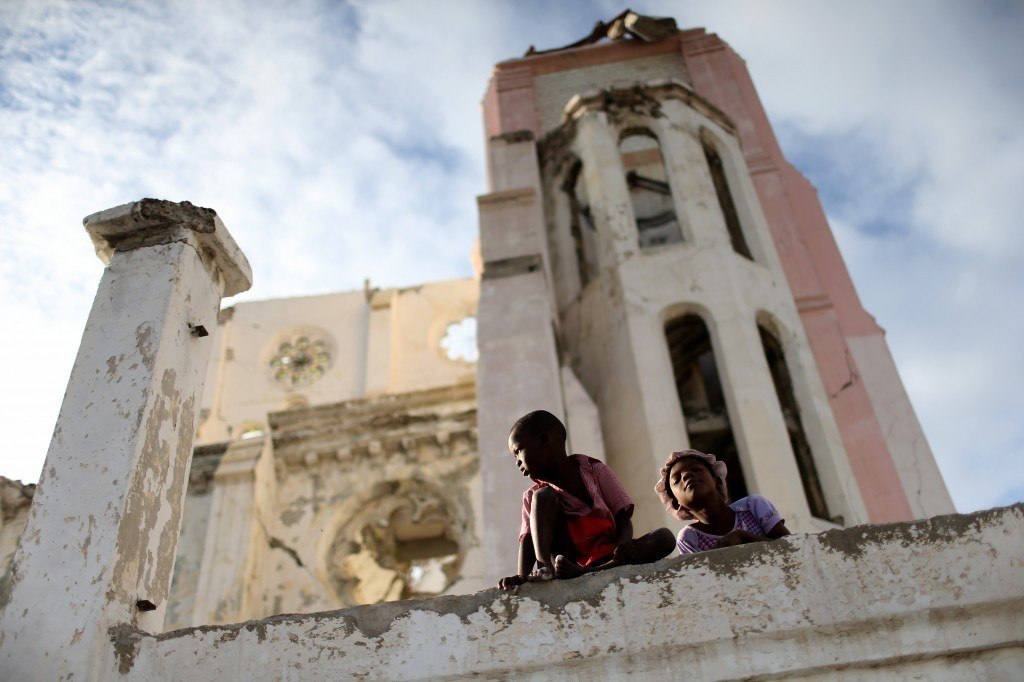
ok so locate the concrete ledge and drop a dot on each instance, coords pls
(940, 597)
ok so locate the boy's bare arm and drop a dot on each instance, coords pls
(526, 562)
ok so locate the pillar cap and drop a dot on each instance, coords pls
(148, 222)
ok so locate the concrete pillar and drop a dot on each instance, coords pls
(519, 368)
(98, 551)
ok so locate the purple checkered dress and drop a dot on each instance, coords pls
(754, 514)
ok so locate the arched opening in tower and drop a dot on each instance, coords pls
(794, 425)
(581, 224)
(701, 396)
(649, 189)
(732, 217)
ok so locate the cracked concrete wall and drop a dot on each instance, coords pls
(939, 598)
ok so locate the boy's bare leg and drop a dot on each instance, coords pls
(549, 531)
(651, 547)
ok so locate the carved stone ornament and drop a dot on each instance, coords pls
(404, 543)
(300, 361)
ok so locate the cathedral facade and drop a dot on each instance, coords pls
(650, 268)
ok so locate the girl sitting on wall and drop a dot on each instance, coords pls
(692, 487)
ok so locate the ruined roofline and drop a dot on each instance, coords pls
(627, 25)
(588, 52)
(371, 290)
(883, 599)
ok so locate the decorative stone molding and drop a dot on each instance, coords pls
(407, 539)
(436, 425)
(644, 100)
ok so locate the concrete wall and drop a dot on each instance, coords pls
(938, 599)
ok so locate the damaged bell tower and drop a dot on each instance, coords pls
(656, 273)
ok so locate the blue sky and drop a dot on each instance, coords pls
(342, 140)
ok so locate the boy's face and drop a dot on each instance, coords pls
(691, 482)
(533, 453)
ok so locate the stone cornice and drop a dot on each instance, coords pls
(417, 426)
(149, 222)
(644, 99)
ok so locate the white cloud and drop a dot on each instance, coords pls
(324, 131)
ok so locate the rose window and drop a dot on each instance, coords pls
(300, 361)
(459, 341)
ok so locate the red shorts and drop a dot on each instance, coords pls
(594, 537)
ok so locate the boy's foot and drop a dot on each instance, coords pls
(566, 568)
(541, 574)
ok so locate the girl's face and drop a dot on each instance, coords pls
(690, 481)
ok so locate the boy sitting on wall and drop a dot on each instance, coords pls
(576, 516)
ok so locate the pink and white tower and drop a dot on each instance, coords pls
(656, 272)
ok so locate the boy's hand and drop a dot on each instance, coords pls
(625, 551)
(511, 582)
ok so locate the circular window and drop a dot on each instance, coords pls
(300, 361)
(459, 341)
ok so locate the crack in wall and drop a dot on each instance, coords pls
(853, 375)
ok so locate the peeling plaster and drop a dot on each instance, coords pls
(795, 606)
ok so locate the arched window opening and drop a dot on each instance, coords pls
(701, 396)
(732, 218)
(649, 190)
(791, 415)
(581, 225)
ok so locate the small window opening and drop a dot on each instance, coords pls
(701, 396)
(732, 218)
(581, 225)
(794, 426)
(649, 190)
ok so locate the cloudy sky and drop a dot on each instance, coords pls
(342, 140)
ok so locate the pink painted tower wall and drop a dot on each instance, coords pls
(888, 453)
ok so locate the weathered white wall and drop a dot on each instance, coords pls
(939, 599)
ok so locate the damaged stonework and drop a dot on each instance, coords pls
(98, 548)
(939, 598)
(15, 500)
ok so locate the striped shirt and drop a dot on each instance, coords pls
(603, 485)
(754, 514)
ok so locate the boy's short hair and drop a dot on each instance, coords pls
(537, 422)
